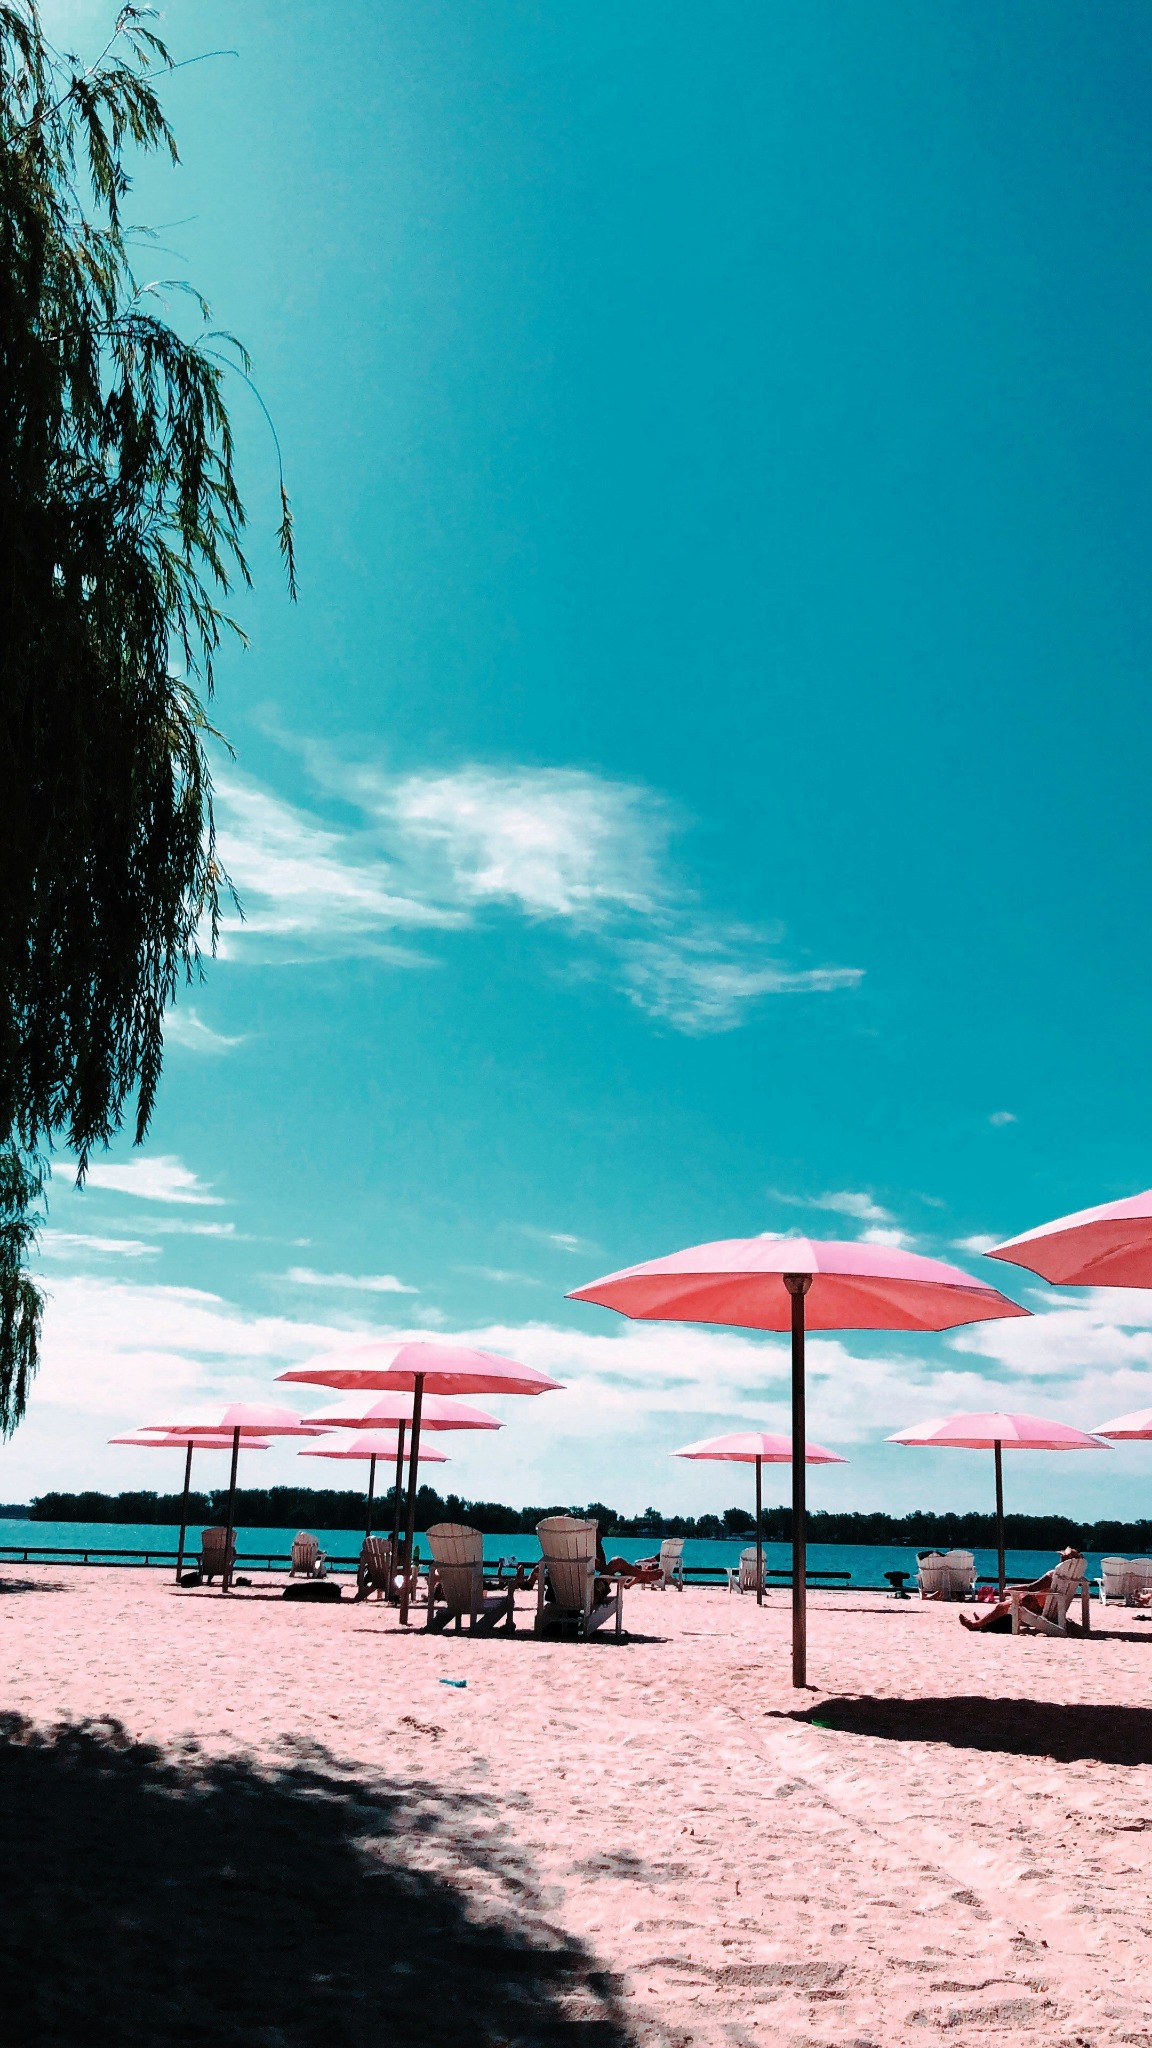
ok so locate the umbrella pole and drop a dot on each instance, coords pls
(371, 1494)
(759, 1542)
(226, 1575)
(184, 1513)
(396, 1492)
(410, 1517)
(998, 1456)
(798, 1285)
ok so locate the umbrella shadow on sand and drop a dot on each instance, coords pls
(1013, 1727)
(183, 1901)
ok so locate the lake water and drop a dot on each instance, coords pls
(866, 1563)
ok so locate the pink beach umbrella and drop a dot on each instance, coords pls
(757, 1447)
(797, 1284)
(394, 1411)
(169, 1441)
(419, 1369)
(372, 1445)
(996, 1432)
(1108, 1246)
(239, 1420)
(1128, 1429)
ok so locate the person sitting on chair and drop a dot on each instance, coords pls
(998, 1617)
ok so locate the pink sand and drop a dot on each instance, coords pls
(750, 1878)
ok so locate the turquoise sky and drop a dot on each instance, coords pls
(703, 788)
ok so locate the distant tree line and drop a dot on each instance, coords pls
(293, 1507)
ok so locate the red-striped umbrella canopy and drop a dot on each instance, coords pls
(250, 1418)
(748, 1446)
(440, 1369)
(1134, 1428)
(983, 1431)
(169, 1441)
(740, 1282)
(388, 1411)
(1108, 1246)
(374, 1444)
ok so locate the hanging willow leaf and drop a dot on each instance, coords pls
(120, 539)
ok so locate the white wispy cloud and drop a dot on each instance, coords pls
(186, 1028)
(563, 847)
(308, 888)
(119, 1353)
(63, 1244)
(161, 1178)
(1000, 1117)
(560, 1240)
(978, 1244)
(863, 1208)
(364, 1283)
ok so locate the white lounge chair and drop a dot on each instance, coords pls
(567, 1573)
(742, 1576)
(930, 1576)
(1138, 1592)
(456, 1578)
(1113, 1581)
(374, 1571)
(215, 1562)
(670, 1561)
(307, 1557)
(1067, 1579)
(958, 1575)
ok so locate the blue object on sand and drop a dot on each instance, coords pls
(459, 1683)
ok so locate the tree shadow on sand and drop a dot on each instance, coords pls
(1014, 1727)
(204, 1904)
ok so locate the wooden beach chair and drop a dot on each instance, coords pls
(374, 1571)
(1113, 1581)
(308, 1559)
(456, 1583)
(1138, 1592)
(930, 1575)
(568, 1593)
(958, 1575)
(1052, 1620)
(671, 1563)
(214, 1561)
(742, 1576)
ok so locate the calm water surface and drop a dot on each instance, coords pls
(866, 1563)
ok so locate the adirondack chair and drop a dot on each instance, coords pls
(1052, 1620)
(374, 1571)
(1113, 1581)
(213, 1561)
(669, 1562)
(742, 1576)
(456, 1579)
(1138, 1592)
(958, 1575)
(567, 1574)
(307, 1557)
(930, 1576)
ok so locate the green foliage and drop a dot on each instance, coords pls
(120, 539)
(305, 1507)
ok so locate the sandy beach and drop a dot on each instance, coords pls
(303, 1835)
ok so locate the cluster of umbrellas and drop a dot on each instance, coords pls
(760, 1283)
(796, 1284)
(413, 1384)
